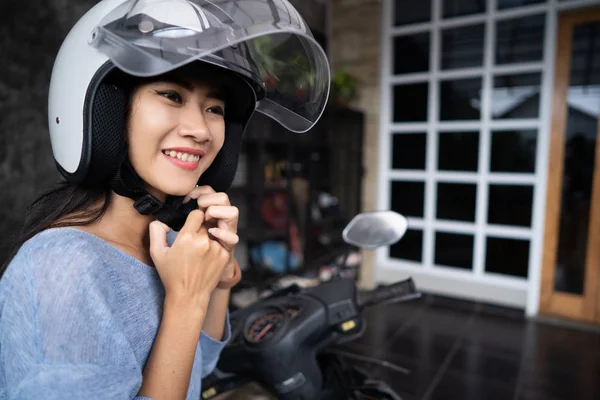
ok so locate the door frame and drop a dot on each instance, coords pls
(584, 307)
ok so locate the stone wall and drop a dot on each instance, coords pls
(355, 45)
(30, 35)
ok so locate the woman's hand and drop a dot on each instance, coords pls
(193, 266)
(190, 269)
(221, 220)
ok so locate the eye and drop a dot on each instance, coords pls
(217, 110)
(171, 95)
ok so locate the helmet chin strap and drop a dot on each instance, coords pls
(126, 182)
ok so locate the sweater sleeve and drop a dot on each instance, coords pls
(59, 337)
(211, 348)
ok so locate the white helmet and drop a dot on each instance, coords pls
(273, 64)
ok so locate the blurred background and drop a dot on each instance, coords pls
(476, 119)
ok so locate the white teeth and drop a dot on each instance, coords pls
(182, 156)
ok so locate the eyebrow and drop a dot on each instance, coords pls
(214, 92)
(179, 81)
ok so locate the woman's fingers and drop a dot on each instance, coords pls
(228, 239)
(158, 239)
(219, 215)
(213, 199)
(226, 216)
(197, 192)
(194, 222)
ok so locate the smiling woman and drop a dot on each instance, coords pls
(115, 289)
(178, 123)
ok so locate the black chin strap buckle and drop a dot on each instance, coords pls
(147, 204)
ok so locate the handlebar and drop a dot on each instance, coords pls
(399, 291)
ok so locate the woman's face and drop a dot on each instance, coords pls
(175, 130)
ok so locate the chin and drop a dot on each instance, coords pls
(176, 187)
(178, 190)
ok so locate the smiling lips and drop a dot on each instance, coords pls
(184, 157)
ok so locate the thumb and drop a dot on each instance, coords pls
(158, 239)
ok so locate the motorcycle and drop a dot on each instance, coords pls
(288, 342)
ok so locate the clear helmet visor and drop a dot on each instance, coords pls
(265, 40)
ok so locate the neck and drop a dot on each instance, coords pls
(124, 225)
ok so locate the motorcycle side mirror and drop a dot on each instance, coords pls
(374, 229)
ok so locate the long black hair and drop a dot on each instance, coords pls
(63, 204)
(66, 203)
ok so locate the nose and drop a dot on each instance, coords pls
(193, 125)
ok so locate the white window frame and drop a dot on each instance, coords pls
(476, 284)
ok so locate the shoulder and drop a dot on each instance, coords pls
(64, 244)
(57, 254)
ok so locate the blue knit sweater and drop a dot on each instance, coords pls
(78, 318)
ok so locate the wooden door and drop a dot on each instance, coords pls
(571, 260)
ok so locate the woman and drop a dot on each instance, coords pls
(116, 289)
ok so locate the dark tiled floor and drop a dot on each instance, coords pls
(463, 350)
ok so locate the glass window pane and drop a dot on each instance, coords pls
(516, 96)
(506, 4)
(410, 102)
(581, 138)
(411, 53)
(408, 198)
(513, 151)
(411, 12)
(463, 47)
(457, 8)
(507, 256)
(510, 205)
(520, 40)
(408, 150)
(460, 99)
(456, 201)
(584, 74)
(410, 247)
(454, 250)
(458, 151)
